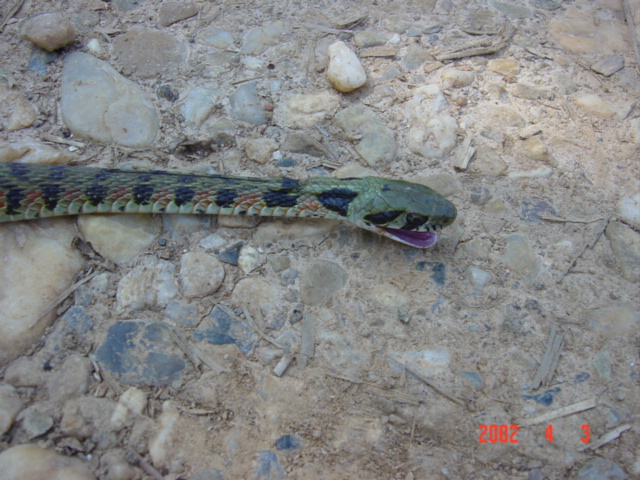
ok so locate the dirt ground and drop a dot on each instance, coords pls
(468, 404)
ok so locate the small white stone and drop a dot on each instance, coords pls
(249, 259)
(94, 47)
(454, 78)
(10, 405)
(131, 404)
(150, 284)
(307, 110)
(201, 274)
(345, 71)
(31, 462)
(160, 447)
(260, 149)
(433, 138)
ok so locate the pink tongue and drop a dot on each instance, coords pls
(416, 239)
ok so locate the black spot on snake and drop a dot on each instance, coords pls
(19, 170)
(183, 195)
(382, 218)
(337, 199)
(289, 184)
(96, 193)
(186, 179)
(279, 198)
(144, 177)
(51, 195)
(14, 198)
(142, 193)
(226, 197)
(58, 172)
(103, 175)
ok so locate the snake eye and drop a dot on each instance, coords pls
(415, 219)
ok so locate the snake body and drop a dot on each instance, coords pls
(406, 212)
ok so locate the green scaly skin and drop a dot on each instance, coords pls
(406, 212)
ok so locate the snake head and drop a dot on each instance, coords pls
(406, 212)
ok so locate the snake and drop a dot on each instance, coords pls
(408, 213)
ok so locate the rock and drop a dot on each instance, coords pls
(478, 277)
(35, 421)
(258, 39)
(99, 104)
(307, 110)
(71, 379)
(172, 12)
(512, 10)
(488, 162)
(434, 137)
(377, 144)
(86, 417)
(255, 293)
(320, 280)
(10, 405)
(454, 78)
(148, 285)
(415, 57)
(148, 53)
(49, 31)
(345, 71)
(246, 105)
(179, 226)
(42, 264)
(629, 209)
(595, 105)
(142, 353)
(220, 328)
(260, 149)
(119, 238)
(201, 274)
(601, 468)
(369, 38)
(506, 116)
(504, 66)
(389, 296)
(15, 110)
(531, 92)
(426, 362)
(27, 462)
(161, 446)
(217, 37)
(625, 244)
(535, 149)
(131, 404)
(520, 257)
(249, 259)
(617, 319)
(198, 105)
(117, 468)
(182, 314)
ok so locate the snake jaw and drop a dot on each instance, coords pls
(415, 239)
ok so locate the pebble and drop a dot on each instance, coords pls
(131, 403)
(369, 38)
(148, 53)
(488, 162)
(535, 149)
(345, 72)
(172, 12)
(629, 209)
(472, 379)
(31, 462)
(148, 285)
(625, 244)
(520, 257)
(232, 254)
(506, 116)
(117, 468)
(249, 259)
(220, 328)
(609, 65)
(10, 406)
(531, 92)
(141, 353)
(614, 320)
(259, 39)
(86, 417)
(33, 152)
(377, 144)
(390, 296)
(179, 226)
(69, 380)
(99, 104)
(307, 110)
(602, 364)
(183, 314)
(201, 274)
(479, 195)
(260, 150)
(302, 142)
(433, 137)
(119, 238)
(246, 106)
(16, 112)
(35, 421)
(257, 294)
(504, 66)
(600, 468)
(595, 105)
(425, 362)
(415, 57)
(198, 105)
(50, 31)
(511, 10)
(320, 280)
(455, 78)
(268, 467)
(217, 37)
(478, 277)
(161, 446)
(41, 266)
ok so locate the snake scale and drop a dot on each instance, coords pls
(406, 212)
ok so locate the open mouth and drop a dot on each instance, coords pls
(415, 239)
